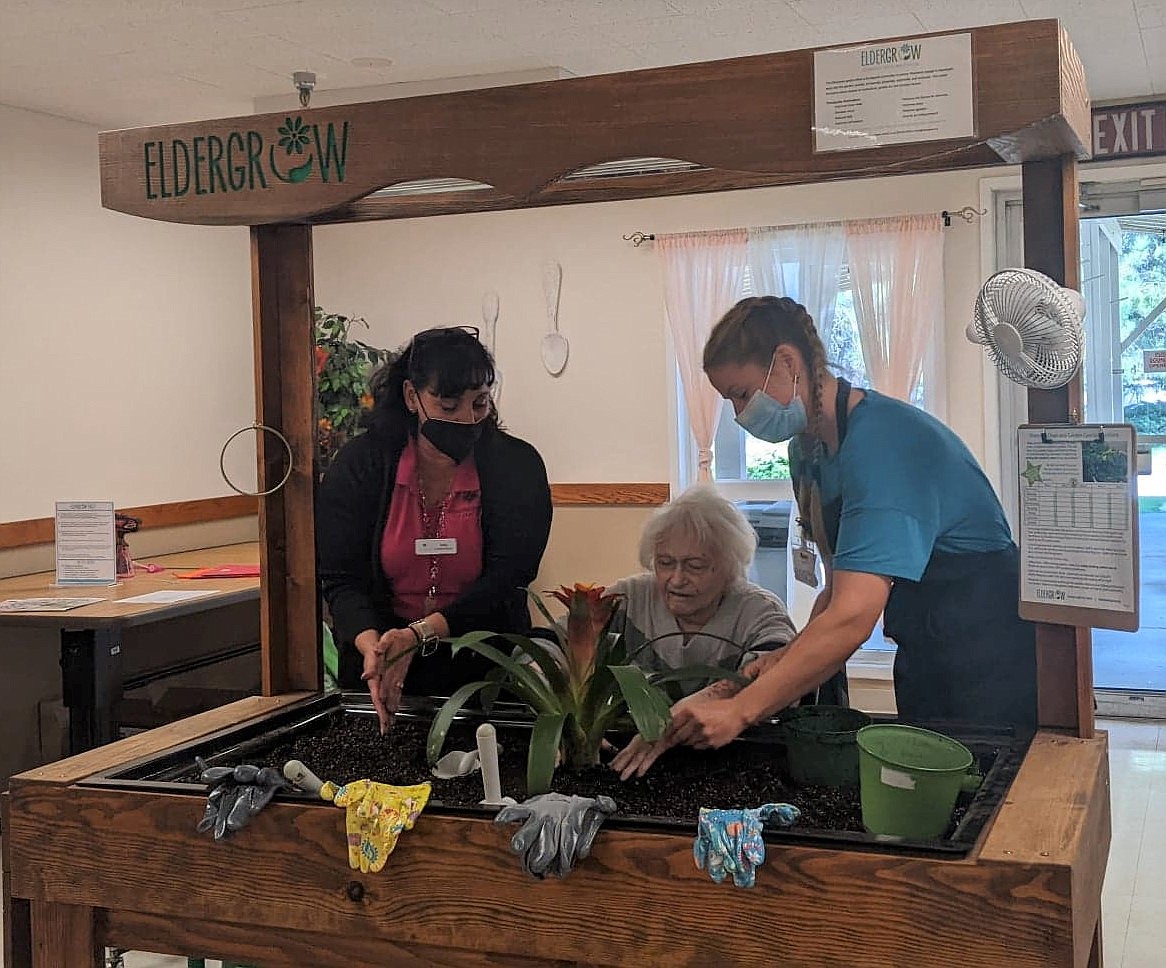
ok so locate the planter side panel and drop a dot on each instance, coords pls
(453, 883)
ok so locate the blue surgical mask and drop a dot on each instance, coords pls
(767, 419)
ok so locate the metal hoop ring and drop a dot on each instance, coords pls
(271, 490)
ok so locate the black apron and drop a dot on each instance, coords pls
(964, 654)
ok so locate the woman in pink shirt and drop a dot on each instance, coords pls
(429, 525)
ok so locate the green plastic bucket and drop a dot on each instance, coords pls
(820, 747)
(910, 779)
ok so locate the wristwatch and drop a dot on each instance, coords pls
(426, 637)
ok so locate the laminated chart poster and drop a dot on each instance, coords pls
(1078, 525)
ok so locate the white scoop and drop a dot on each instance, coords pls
(555, 347)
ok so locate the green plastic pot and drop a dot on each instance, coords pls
(910, 779)
(820, 744)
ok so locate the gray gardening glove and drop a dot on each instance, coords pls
(556, 830)
(235, 795)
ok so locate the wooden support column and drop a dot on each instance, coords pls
(281, 281)
(65, 936)
(1052, 245)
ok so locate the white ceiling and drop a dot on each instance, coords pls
(120, 63)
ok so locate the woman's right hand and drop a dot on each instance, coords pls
(385, 677)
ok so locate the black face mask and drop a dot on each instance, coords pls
(454, 439)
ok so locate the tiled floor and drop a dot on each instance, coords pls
(1134, 900)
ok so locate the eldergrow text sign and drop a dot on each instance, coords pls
(244, 160)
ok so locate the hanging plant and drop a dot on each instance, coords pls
(343, 368)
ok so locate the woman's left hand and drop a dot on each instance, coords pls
(707, 724)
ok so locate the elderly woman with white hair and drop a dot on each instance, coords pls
(694, 605)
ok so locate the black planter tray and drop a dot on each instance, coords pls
(749, 772)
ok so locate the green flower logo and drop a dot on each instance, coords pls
(293, 135)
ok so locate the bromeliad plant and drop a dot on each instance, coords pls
(577, 690)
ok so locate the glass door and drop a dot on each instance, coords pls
(1123, 280)
(1123, 274)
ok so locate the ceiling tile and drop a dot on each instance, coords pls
(1114, 58)
(1083, 9)
(944, 15)
(1151, 13)
(1155, 45)
(833, 11)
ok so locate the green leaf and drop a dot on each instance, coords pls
(490, 695)
(741, 650)
(545, 738)
(545, 659)
(546, 613)
(648, 705)
(445, 716)
(525, 680)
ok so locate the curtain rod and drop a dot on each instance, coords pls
(967, 213)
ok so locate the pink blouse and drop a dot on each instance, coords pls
(410, 574)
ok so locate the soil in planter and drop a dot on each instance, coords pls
(345, 748)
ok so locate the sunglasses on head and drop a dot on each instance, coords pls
(429, 334)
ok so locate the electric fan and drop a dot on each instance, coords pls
(1031, 327)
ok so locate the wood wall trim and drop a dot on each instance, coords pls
(610, 495)
(20, 534)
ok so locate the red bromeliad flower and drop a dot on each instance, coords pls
(588, 613)
(321, 359)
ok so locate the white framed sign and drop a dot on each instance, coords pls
(893, 93)
(85, 543)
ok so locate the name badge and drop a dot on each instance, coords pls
(806, 566)
(435, 546)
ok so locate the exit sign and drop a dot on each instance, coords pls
(1129, 130)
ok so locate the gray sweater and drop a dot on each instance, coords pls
(749, 615)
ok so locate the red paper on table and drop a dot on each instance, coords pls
(224, 571)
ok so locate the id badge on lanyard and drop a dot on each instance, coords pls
(806, 563)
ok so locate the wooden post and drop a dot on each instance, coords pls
(1064, 654)
(64, 935)
(281, 281)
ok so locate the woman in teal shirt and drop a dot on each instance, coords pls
(907, 525)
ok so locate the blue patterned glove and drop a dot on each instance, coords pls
(729, 841)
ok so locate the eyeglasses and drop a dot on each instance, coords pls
(693, 567)
(428, 334)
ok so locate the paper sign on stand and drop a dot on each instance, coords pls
(1078, 526)
(85, 543)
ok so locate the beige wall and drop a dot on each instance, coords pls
(405, 276)
(126, 358)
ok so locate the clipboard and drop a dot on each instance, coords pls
(1079, 547)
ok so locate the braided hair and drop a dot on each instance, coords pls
(756, 326)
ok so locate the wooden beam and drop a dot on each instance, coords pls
(1052, 245)
(281, 281)
(34, 531)
(747, 121)
(64, 936)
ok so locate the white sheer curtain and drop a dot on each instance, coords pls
(704, 273)
(896, 269)
(802, 262)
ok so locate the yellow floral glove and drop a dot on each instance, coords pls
(377, 813)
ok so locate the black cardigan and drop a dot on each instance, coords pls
(352, 507)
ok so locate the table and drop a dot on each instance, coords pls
(92, 661)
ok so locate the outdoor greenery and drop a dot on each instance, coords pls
(1143, 288)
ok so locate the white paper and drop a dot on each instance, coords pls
(894, 93)
(165, 597)
(85, 543)
(45, 604)
(1076, 521)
